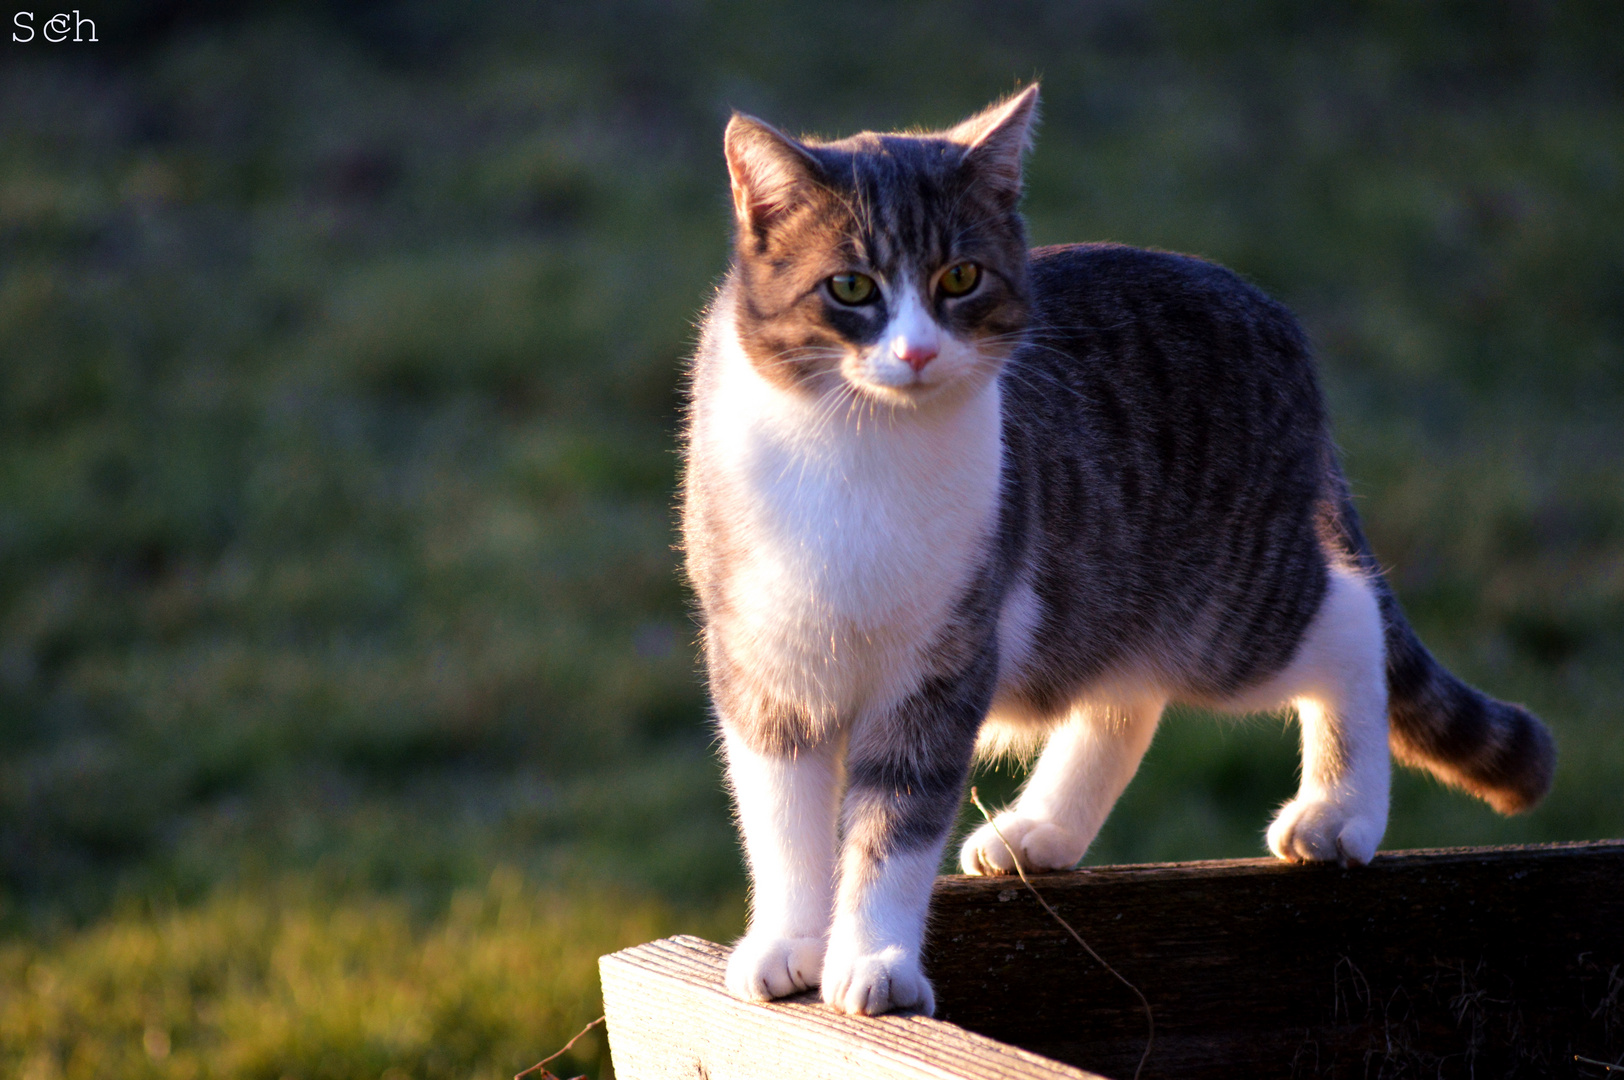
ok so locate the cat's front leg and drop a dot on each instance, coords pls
(787, 806)
(906, 771)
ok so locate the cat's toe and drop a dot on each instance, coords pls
(984, 854)
(1041, 846)
(766, 967)
(1318, 830)
(1049, 847)
(867, 984)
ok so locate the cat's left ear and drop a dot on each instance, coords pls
(996, 138)
(769, 170)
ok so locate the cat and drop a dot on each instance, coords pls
(942, 493)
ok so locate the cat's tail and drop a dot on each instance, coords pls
(1498, 751)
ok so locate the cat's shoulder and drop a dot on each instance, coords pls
(1067, 275)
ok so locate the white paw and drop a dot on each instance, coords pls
(1318, 830)
(766, 967)
(867, 984)
(1041, 846)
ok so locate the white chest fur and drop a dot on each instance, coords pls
(854, 529)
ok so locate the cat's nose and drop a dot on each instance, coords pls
(915, 352)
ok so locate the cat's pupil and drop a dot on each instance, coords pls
(960, 278)
(852, 288)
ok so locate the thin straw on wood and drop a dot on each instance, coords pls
(1150, 1022)
(541, 1066)
(1603, 1064)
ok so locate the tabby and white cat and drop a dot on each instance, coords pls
(943, 492)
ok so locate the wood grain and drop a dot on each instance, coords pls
(670, 1018)
(1465, 962)
(1472, 962)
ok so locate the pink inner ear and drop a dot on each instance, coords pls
(742, 205)
(756, 189)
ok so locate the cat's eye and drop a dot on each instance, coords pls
(960, 278)
(852, 288)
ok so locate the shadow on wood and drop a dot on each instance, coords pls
(1469, 962)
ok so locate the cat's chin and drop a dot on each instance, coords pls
(916, 394)
(903, 397)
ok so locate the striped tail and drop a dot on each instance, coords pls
(1499, 752)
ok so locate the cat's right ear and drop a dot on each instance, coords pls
(769, 170)
(996, 139)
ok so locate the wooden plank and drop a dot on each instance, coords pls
(1464, 962)
(670, 1017)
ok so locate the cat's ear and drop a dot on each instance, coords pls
(769, 170)
(996, 138)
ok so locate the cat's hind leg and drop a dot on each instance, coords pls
(1086, 764)
(788, 808)
(1338, 684)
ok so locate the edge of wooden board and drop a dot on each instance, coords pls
(671, 1017)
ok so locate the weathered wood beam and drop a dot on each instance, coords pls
(1464, 962)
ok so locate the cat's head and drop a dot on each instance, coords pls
(891, 264)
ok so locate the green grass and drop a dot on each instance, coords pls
(340, 354)
(292, 980)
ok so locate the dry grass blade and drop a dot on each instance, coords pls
(1150, 1022)
(1603, 1064)
(540, 1067)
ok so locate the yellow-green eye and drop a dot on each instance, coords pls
(852, 288)
(960, 278)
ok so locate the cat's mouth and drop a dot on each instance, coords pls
(908, 391)
(883, 377)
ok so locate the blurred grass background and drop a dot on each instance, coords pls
(348, 706)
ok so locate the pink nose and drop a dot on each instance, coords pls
(916, 354)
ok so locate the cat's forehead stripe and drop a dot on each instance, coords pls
(902, 190)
